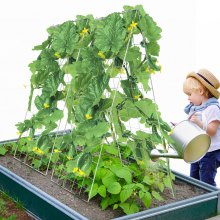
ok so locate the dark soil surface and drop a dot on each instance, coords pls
(90, 209)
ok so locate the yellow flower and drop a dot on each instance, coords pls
(79, 171)
(57, 151)
(29, 139)
(57, 55)
(149, 70)
(88, 116)
(132, 25)
(84, 31)
(46, 105)
(18, 133)
(38, 151)
(69, 158)
(101, 55)
(136, 96)
(171, 132)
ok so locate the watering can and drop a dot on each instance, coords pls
(189, 141)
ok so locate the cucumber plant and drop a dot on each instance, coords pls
(101, 70)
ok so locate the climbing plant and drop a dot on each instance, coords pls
(101, 70)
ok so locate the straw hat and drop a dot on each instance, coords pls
(208, 80)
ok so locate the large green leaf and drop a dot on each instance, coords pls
(125, 174)
(102, 191)
(2, 150)
(129, 111)
(114, 188)
(85, 161)
(110, 37)
(150, 29)
(56, 115)
(98, 130)
(143, 77)
(51, 85)
(125, 194)
(146, 106)
(129, 208)
(91, 96)
(108, 178)
(130, 54)
(65, 38)
(146, 198)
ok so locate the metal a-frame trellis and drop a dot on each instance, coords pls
(59, 175)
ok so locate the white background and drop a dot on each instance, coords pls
(190, 40)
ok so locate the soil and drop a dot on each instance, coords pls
(90, 209)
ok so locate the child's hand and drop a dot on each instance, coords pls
(194, 118)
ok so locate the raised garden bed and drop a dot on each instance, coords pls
(46, 200)
(94, 75)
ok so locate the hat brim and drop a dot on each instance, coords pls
(211, 89)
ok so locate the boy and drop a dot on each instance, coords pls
(204, 110)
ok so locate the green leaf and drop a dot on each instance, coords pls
(98, 130)
(157, 196)
(85, 161)
(147, 199)
(150, 29)
(111, 149)
(43, 140)
(3, 150)
(105, 104)
(56, 115)
(49, 127)
(146, 106)
(80, 140)
(91, 96)
(108, 178)
(125, 174)
(129, 208)
(148, 180)
(110, 37)
(129, 111)
(65, 38)
(102, 191)
(143, 78)
(167, 182)
(115, 206)
(51, 85)
(43, 45)
(125, 194)
(94, 191)
(105, 203)
(130, 54)
(70, 165)
(36, 163)
(153, 48)
(114, 188)
(39, 102)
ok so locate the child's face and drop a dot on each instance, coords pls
(196, 97)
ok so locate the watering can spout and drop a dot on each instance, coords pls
(156, 154)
